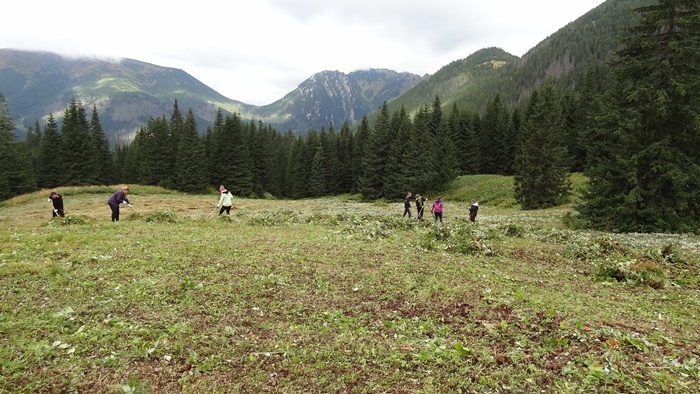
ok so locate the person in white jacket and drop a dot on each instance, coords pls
(225, 201)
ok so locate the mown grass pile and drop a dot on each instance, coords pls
(334, 295)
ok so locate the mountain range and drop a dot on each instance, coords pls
(127, 92)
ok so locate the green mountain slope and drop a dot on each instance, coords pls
(472, 82)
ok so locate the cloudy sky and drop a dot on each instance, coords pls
(256, 51)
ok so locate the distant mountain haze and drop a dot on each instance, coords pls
(127, 92)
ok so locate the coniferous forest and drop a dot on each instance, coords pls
(632, 127)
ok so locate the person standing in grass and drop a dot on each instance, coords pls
(420, 206)
(57, 201)
(437, 209)
(225, 201)
(407, 205)
(473, 209)
(117, 198)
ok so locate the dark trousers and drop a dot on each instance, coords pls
(420, 212)
(227, 209)
(115, 212)
(407, 210)
(59, 212)
(438, 215)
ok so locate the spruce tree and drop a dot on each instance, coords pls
(401, 159)
(541, 177)
(235, 164)
(345, 157)
(333, 165)
(646, 176)
(50, 167)
(155, 164)
(317, 173)
(33, 142)
(444, 159)
(104, 170)
(376, 156)
(360, 142)
(281, 159)
(16, 173)
(421, 143)
(296, 185)
(190, 164)
(77, 147)
(497, 139)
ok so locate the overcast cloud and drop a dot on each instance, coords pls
(256, 51)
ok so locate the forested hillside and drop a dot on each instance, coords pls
(585, 44)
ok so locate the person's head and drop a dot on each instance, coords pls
(438, 199)
(409, 194)
(473, 201)
(417, 195)
(54, 195)
(125, 189)
(222, 188)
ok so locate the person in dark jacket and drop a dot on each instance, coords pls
(407, 205)
(117, 198)
(473, 209)
(420, 206)
(57, 201)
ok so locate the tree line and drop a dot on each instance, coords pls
(633, 127)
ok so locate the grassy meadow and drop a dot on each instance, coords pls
(336, 295)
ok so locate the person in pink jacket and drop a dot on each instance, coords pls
(437, 209)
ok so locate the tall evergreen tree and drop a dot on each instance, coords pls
(376, 156)
(259, 152)
(317, 174)
(191, 176)
(16, 173)
(33, 142)
(50, 168)
(648, 177)
(444, 159)
(435, 116)
(345, 157)
(542, 163)
(175, 132)
(235, 165)
(268, 142)
(281, 160)
(402, 159)
(359, 147)
(333, 165)
(104, 170)
(155, 164)
(295, 178)
(77, 147)
(497, 139)
(421, 143)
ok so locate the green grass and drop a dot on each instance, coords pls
(335, 295)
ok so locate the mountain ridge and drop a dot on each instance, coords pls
(127, 92)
